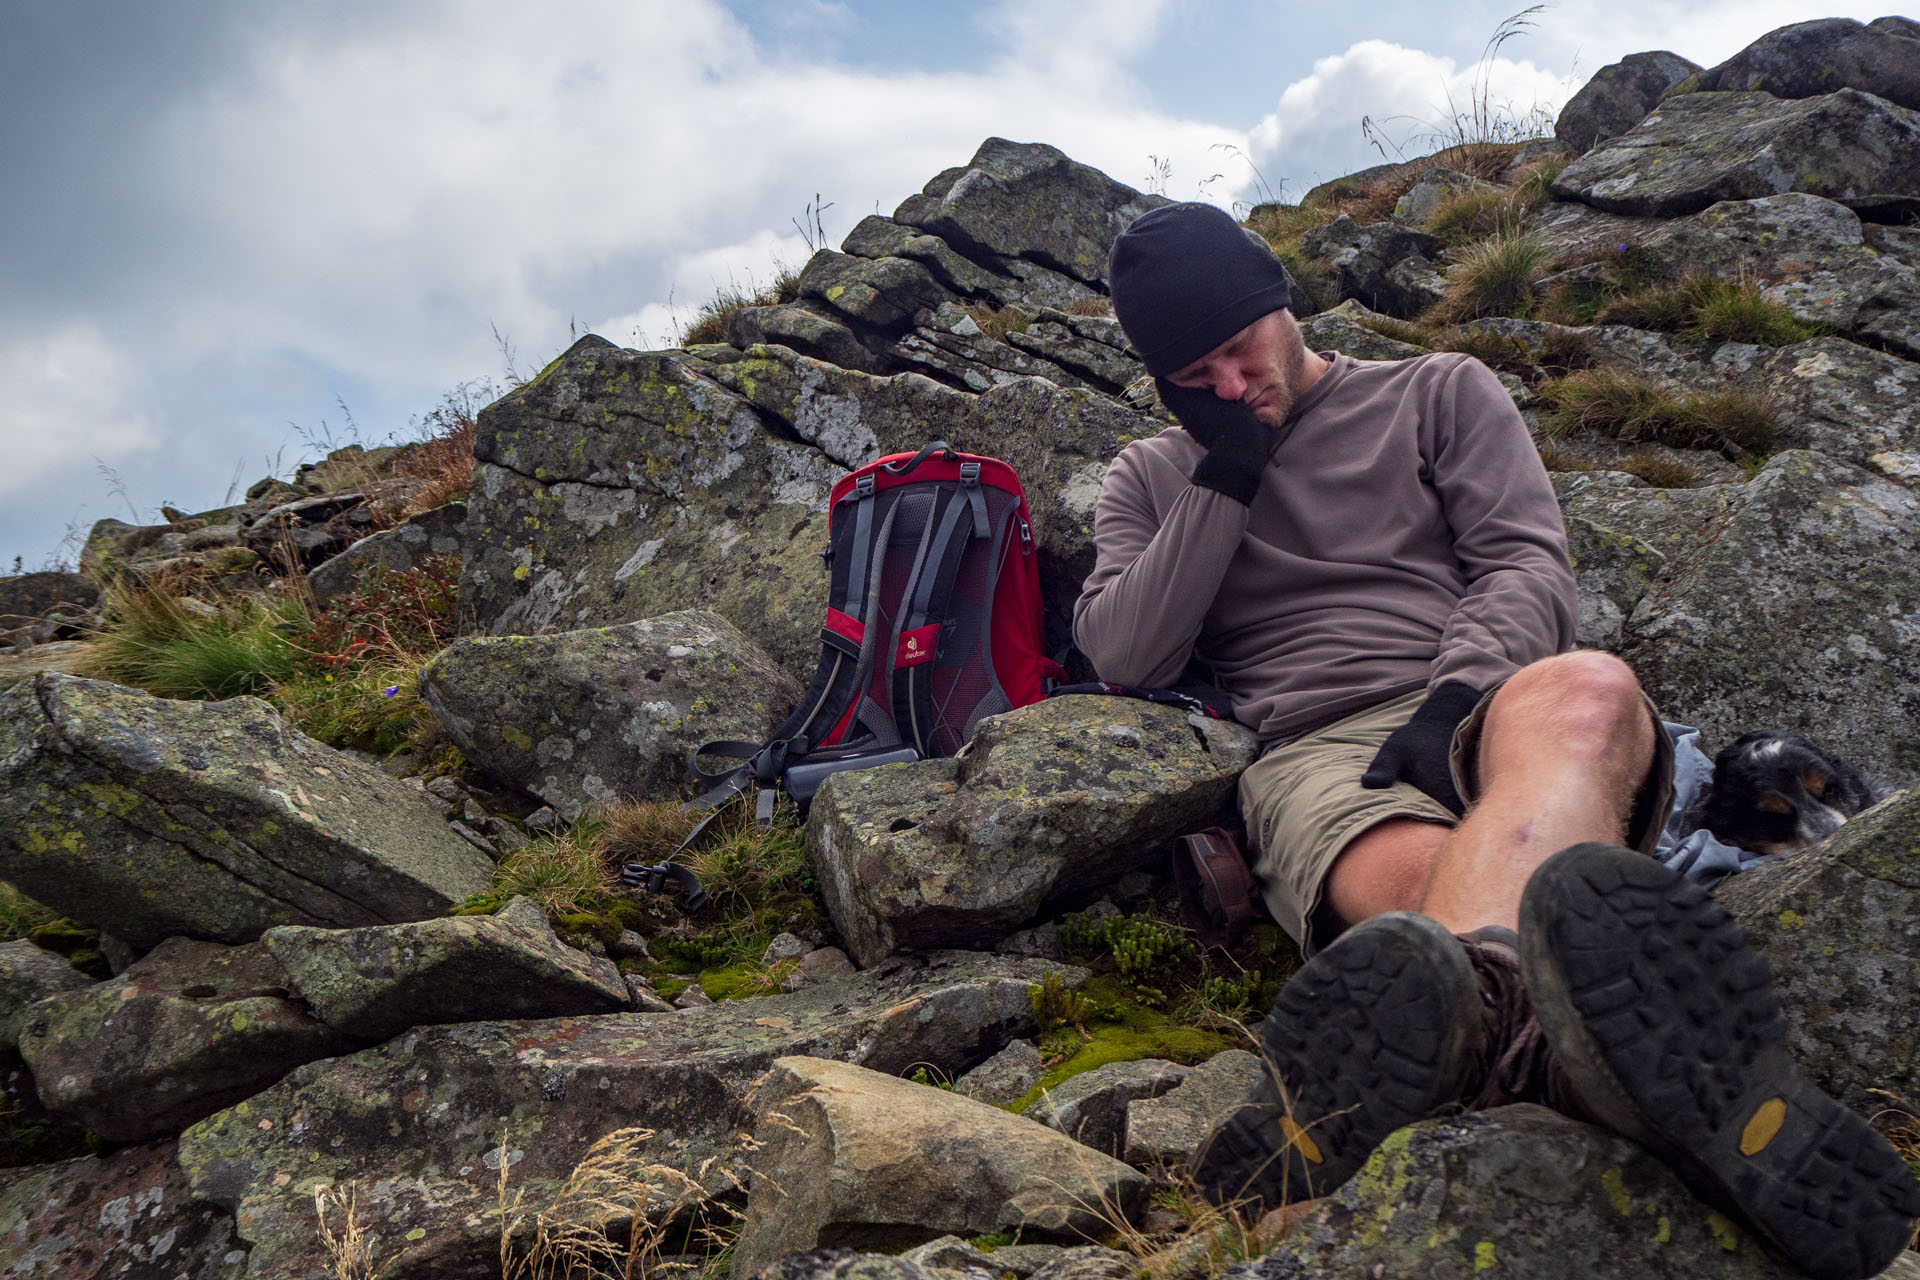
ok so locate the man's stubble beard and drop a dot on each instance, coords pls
(1293, 363)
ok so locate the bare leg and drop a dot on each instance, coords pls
(1565, 746)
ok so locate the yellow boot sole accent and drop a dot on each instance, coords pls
(1762, 1127)
(1298, 1137)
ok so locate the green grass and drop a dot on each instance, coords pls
(1659, 470)
(156, 640)
(1494, 277)
(1466, 216)
(354, 707)
(1632, 409)
(21, 915)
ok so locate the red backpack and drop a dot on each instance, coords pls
(932, 622)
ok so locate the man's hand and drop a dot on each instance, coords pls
(1237, 442)
(1420, 751)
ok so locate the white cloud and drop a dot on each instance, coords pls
(1412, 100)
(72, 395)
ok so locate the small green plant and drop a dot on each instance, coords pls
(1635, 410)
(1728, 312)
(1466, 216)
(565, 874)
(21, 915)
(1230, 996)
(1056, 1007)
(1494, 277)
(931, 1076)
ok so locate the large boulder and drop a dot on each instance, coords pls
(1847, 401)
(420, 1125)
(1826, 55)
(1698, 149)
(1808, 253)
(1044, 803)
(1840, 925)
(1028, 202)
(190, 1028)
(587, 719)
(1619, 97)
(405, 546)
(151, 818)
(127, 1215)
(1518, 1191)
(1796, 609)
(618, 485)
(374, 983)
(850, 1157)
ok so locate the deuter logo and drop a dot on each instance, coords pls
(913, 644)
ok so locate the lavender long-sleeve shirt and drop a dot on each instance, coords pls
(1404, 534)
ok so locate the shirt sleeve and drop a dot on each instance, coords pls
(1509, 536)
(1155, 574)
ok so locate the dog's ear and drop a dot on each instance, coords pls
(1813, 780)
(1774, 802)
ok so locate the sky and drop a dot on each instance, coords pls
(234, 233)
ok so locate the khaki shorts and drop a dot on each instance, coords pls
(1303, 804)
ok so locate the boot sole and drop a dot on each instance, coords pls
(1371, 1035)
(1664, 1018)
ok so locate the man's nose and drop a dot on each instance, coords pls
(1229, 385)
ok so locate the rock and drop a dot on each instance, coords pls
(1430, 189)
(588, 719)
(1839, 925)
(376, 982)
(784, 947)
(1030, 203)
(152, 818)
(1619, 97)
(875, 293)
(1092, 1107)
(124, 1215)
(1168, 1129)
(828, 964)
(1613, 571)
(1043, 941)
(405, 546)
(1521, 1190)
(415, 1124)
(630, 945)
(805, 330)
(1345, 329)
(845, 1264)
(64, 600)
(1084, 1262)
(693, 997)
(1005, 1077)
(29, 973)
(880, 237)
(1048, 801)
(1697, 149)
(850, 1156)
(645, 999)
(1798, 611)
(190, 1028)
(618, 485)
(1805, 252)
(116, 551)
(951, 1253)
(1385, 266)
(1808, 59)
(1849, 402)
(307, 532)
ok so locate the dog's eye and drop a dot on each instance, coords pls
(1815, 782)
(1774, 802)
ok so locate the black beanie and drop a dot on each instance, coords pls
(1185, 278)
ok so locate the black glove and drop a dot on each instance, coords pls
(1420, 751)
(1237, 442)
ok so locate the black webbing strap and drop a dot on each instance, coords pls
(862, 547)
(901, 468)
(931, 598)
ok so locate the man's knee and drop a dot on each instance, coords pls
(1584, 701)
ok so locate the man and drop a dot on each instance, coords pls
(1370, 559)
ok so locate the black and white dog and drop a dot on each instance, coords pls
(1775, 791)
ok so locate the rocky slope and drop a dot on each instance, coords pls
(292, 1017)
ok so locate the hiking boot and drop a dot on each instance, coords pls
(1664, 1019)
(1377, 1031)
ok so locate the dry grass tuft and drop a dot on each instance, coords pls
(712, 321)
(1494, 277)
(350, 1254)
(1660, 470)
(1633, 409)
